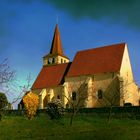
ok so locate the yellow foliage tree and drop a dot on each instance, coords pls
(31, 102)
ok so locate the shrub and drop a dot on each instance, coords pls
(55, 109)
(128, 104)
(31, 102)
(3, 101)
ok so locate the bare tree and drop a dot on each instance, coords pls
(77, 95)
(10, 84)
(21, 89)
(6, 76)
(114, 95)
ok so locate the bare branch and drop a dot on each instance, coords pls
(23, 89)
(6, 75)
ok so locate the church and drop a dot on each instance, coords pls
(96, 77)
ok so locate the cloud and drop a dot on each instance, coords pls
(114, 11)
(117, 11)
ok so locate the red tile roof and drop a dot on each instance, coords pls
(51, 76)
(87, 62)
(97, 60)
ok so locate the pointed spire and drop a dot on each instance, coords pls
(56, 47)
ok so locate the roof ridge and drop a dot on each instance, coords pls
(56, 64)
(102, 47)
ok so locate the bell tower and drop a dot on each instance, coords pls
(56, 55)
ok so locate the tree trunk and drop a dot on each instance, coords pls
(109, 115)
(71, 119)
(0, 116)
(72, 116)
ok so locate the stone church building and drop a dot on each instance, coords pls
(96, 77)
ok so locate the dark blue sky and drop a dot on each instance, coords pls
(27, 27)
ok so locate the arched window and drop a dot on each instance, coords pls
(53, 60)
(61, 60)
(74, 96)
(49, 61)
(58, 97)
(100, 94)
(67, 105)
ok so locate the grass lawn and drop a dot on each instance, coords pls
(83, 128)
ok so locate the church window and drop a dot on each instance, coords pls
(61, 60)
(67, 105)
(58, 97)
(53, 60)
(74, 96)
(49, 61)
(100, 94)
(64, 61)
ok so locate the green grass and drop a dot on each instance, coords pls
(83, 128)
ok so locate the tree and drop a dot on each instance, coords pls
(6, 76)
(31, 102)
(108, 93)
(21, 89)
(77, 96)
(9, 83)
(3, 101)
(114, 95)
